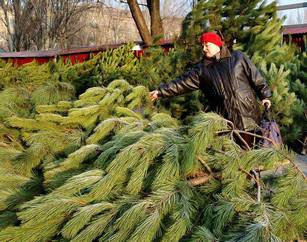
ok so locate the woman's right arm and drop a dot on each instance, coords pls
(188, 82)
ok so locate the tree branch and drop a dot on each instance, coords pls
(204, 164)
(241, 139)
(140, 4)
(257, 180)
(199, 180)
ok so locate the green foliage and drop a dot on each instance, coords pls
(52, 93)
(298, 82)
(266, 43)
(288, 109)
(202, 234)
(14, 101)
(30, 75)
(110, 166)
(284, 101)
(236, 20)
(120, 63)
(142, 190)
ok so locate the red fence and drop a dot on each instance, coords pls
(75, 55)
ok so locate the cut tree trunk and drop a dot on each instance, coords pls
(140, 21)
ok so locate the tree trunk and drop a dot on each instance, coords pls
(155, 19)
(46, 25)
(6, 22)
(17, 25)
(140, 21)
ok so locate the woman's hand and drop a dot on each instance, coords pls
(154, 95)
(266, 103)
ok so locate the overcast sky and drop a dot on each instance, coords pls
(289, 1)
(294, 16)
(182, 7)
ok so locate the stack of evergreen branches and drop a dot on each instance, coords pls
(108, 167)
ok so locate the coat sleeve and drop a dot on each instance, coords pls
(188, 82)
(258, 83)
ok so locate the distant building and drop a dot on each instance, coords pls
(112, 25)
(103, 25)
(295, 25)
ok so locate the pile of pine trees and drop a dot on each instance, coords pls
(108, 167)
(85, 156)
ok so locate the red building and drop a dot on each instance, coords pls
(295, 28)
(296, 34)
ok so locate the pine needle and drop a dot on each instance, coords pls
(73, 160)
(203, 234)
(83, 217)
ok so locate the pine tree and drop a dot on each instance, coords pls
(114, 169)
(284, 101)
(237, 21)
(298, 82)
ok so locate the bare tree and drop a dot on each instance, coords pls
(42, 24)
(5, 6)
(156, 28)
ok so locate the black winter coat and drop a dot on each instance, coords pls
(232, 84)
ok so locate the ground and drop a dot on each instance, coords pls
(301, 161)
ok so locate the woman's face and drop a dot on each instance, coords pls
(210, 49)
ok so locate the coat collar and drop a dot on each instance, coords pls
(224, 53)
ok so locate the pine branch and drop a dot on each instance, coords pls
(297, 168)
(75, 184)
(163, 120)
(103, 130)
(89, 101)
(122, 111)
(31, 124)
(34, 219)
(83, 217)
(203, 234)
(120, 84)
(169, 172)
(257, 180)
(200, 180)
(148, 229)
(93, 92)
(131, 217)
(73, 160)
(205, 164)
(177, 230)
(118, 142)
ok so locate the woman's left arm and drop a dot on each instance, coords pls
(258, 83)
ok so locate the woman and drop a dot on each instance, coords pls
(230, 81)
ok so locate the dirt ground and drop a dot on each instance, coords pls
(301, 161)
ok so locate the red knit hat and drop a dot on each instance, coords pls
(212, 38)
